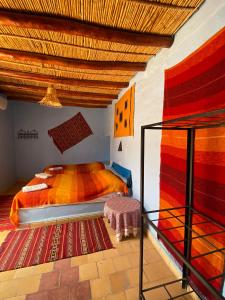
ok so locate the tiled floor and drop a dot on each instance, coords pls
(107, 275)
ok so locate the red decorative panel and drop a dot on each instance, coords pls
(196, 85)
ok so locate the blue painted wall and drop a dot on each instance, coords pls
(33, 155)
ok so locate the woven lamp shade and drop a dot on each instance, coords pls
(51, 99)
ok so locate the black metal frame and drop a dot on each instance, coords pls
(215, 118)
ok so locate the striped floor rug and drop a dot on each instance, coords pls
(29, 247)
(5, 205)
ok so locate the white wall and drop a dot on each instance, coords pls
(33, 155)
(149, 98)
(7, 159)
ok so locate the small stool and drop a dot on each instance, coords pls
(123, 213)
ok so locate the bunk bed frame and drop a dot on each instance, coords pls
(210, 119)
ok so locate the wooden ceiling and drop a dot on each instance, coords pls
(88, 49)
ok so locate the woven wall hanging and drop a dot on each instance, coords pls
(70, 133)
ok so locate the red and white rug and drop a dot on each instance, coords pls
(35, 246)
(5, 205)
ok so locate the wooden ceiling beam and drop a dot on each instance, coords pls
(61, 98)
(64, 103)
(87, 95)
(163, 5)
(104, 74)
(79, 28)
(61, 80)
(23, 56)
(4, 87)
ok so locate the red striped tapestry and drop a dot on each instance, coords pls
(193, 86)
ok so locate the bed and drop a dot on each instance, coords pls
(70, 193)
(73, 169)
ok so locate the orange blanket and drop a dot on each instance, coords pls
(67, 189)
(78, 168)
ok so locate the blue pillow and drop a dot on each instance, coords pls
(123, 172)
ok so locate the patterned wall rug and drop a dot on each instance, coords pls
(70, 133)
(35, 246)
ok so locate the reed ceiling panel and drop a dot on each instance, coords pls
(71, 51)
(124, 14)
(75, 41)
(160, 17)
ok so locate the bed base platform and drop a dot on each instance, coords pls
(59, 212)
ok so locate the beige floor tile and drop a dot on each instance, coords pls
(125, 248)
(155, 283)
(17, 298)
(7, 275)
(121, 262)
(134, 258)
(43, 268)
(24, 272)
(188, 297)
(149, 284)
(8, 289)
(132, 294)
(176, 290)
(133, 277)
(110, 253)
(79, 260)
(34, 270)
(88, 271)
(135, 244)
(151, 255)
(156, 294)
(148, 244)
(27, 285)
(119, 281)
(105, 267)
(157, 270)
(100, 287)
(117, 296)
(96, 256)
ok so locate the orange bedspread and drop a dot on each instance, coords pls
(78, 168)
(67, 189)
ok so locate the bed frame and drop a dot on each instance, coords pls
(50, 213)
